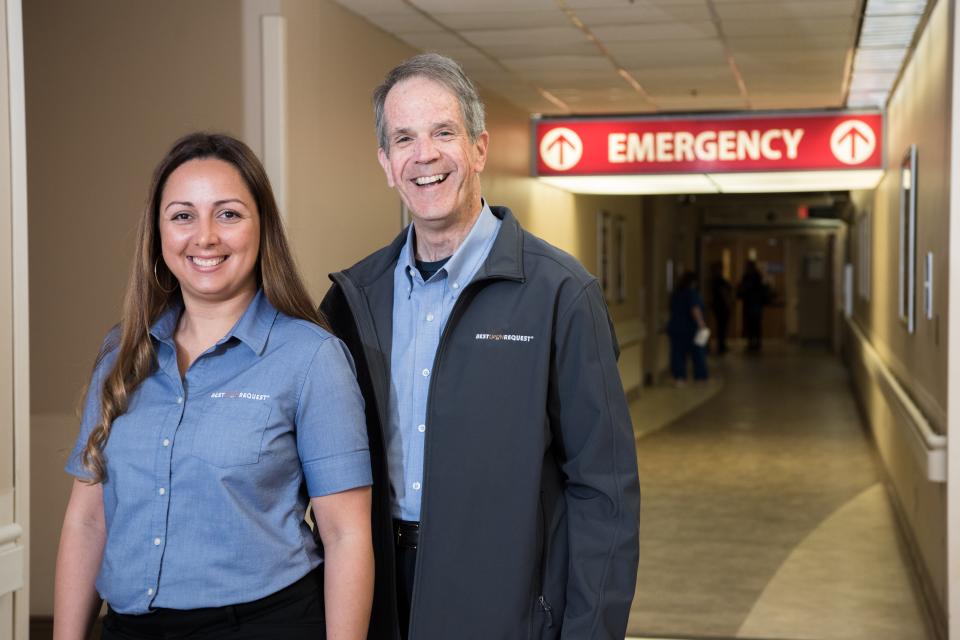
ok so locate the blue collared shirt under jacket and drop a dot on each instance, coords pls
(420, 312)
(209, 475)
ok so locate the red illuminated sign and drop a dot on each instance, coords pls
(769, 142)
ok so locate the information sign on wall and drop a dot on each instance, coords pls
(814, 141)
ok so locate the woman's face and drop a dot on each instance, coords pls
(209, 231)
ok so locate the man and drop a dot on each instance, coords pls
(506, 500)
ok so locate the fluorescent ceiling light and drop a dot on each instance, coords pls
(886, 32)
(873, 80)
(765, 182)
(894, 7)
(879, 59)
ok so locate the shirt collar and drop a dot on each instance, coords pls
(253, 327)
(463, 263)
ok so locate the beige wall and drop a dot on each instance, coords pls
(339, 206)
(110, 84)
(918, 113)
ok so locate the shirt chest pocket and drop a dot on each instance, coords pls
(230, 434)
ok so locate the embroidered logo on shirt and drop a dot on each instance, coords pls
(506, 337)
(240, 394)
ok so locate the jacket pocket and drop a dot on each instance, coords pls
(543, 605)
(230, 433)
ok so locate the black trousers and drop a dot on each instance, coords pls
(293, 613)
(406, 565)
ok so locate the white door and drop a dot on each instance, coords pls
(14, 339)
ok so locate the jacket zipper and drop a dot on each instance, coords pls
(548, 610)
(542, 599)
(461, 301)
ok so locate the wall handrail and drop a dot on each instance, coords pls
(930, 446)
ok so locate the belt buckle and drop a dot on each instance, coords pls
(400, 534)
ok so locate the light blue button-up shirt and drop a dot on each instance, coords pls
(420, 312)
(208, 476)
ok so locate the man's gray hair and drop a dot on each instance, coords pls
(442, 70)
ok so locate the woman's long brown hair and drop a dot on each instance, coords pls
(152, 287)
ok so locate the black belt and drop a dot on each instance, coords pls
(406, 533)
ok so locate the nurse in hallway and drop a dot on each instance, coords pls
(686, 329)
(219, 409)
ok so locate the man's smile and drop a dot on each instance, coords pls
(424, 181)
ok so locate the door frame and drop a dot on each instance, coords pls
(19, 532)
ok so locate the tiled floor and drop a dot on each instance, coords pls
(764, 514)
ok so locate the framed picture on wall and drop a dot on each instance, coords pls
(908, 240)
(611, 257)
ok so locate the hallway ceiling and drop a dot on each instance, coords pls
(638, 56)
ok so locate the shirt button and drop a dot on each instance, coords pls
(455, 285)
(166, 442)
(422, 428)
(425, 372)
(416, 486)
(429, 317)
(180, 400)
(156, 542)
(150, 591)
(162, 491)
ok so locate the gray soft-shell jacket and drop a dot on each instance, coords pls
(530, 505)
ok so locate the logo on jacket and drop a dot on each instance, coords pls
(505, 337)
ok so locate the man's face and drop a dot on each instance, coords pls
(432, 163)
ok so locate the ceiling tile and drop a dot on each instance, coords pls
(641, 13)
(397, 22)
(637, 55)
(566, 78)
(469, 6)
(806, 26)
(611, 81)
(366, 7)
(792, 42)
(785, 9)
(658, 31)
(693, 81)
(725, 102)
(543, 48)
(490, 38)
(431, 40)
(477, 20)
(572, 64)
(798, 100)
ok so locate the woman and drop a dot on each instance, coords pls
(686, 320)
(218, 405)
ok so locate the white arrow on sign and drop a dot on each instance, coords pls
(561, 149)
(852, 142)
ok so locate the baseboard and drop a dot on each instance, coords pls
(933, 614)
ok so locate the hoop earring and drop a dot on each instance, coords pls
(156, 279)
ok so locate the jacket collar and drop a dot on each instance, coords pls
(505, 260)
